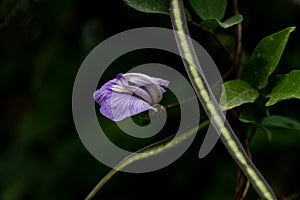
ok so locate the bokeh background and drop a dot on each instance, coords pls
(42, 45)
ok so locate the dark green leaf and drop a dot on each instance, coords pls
(209, 9)
(265, 58)
(281, 122)
(236, 93)
(149, 6)
(153, 6)
(251, 114)
(213, 23)
(232, 21)
(287, 88)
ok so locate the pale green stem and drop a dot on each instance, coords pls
(211, 106)
(145, 152)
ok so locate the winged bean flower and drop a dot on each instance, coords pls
(129, 94)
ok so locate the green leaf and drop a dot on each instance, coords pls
(209, 9)
(153, 6)
(281, 122)
(232, 21)
(149, 6)
(236, 93)
(212, 11)
(265, 58)
(287, 88)
(252, 115)
(213, 23)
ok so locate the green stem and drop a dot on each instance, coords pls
(145, 152)
(210, 104)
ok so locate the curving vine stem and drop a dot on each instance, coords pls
(210, 104)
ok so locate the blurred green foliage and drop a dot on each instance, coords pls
(42, 45)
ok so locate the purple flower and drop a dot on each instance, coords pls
(129, 94)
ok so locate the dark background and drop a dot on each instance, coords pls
(42, 45)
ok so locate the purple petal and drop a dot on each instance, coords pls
(163, 83)
(148, 88)
(129, 94)
(104, 92)
(117, 106)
